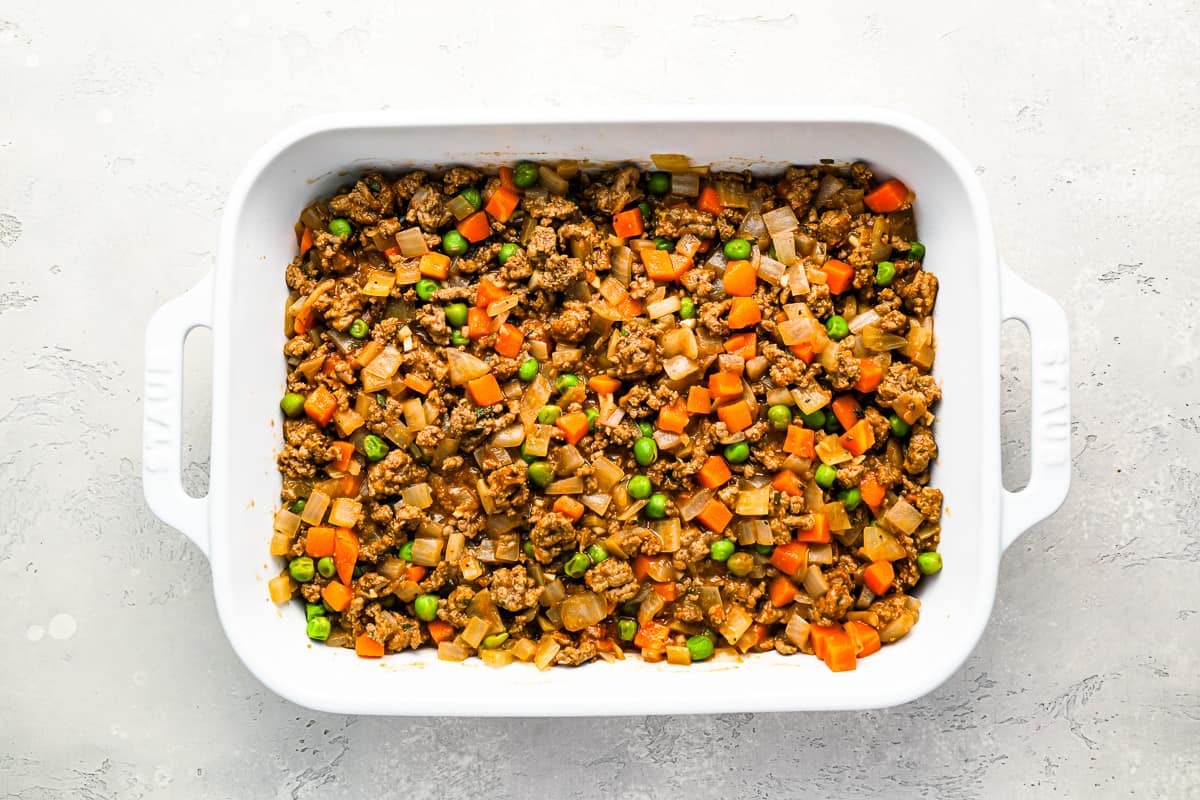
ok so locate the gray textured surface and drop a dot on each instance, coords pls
(122, 134)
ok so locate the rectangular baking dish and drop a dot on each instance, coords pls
(242, 302)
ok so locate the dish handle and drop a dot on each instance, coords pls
(162, 413)
(1050, 406)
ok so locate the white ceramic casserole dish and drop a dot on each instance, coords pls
(243, 300)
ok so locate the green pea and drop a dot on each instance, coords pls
(319, 628)
(837, 328)
(687, 308)
(359, 329)
(644, 207)
(765, 549)
(626, 629)
(737, 452)
(721, 550)
(374, 448)
(929, 562)
(541, 473)
(326, 568)
(459, 339)
(525, 174)
(897, 426)
(737, 249)
(313, 610)
(577, 565)
(528, 370)
(815, 420)
(597, 553)
(659, 183)
(916, 251)
(566, 381)
(405, 551)
(780, 417)
(426, 287)
(645, 429)
(548, 415)
(527, 548)
(426, 606)
(885, 273)
(301, 569)
(851, 498)
(472, 196)
(831, 423)
(507, 250)
(663, 243)
(771, 252)
(740, 564)
(639, 487)
(700, 647)
(456, 314)
(299, 505)
(528, 459)
(656, 506)
(592, 415)
(358, 571)
(645, 450)
(454, 243)
(824, 476)
(292, 404)
(339, 227)
(493, 641)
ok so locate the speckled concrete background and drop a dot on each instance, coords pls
(122, 132)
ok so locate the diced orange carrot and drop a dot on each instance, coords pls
(782, 591)
(509, 340)
(736, 416)
(879, 576)
(863, 636)
(819, 636)
(435, 265)
(743, 313)
(336, 596)
(350, 485)
(818, 533)
(673, 418)
(887, 197)
(306, 241)
(479, 324)
(440, 631)
(790, 558)
(709, 202)
(722, 385)
(418, 384)
(489, 292)
(787, 482)
(502, 204)
(742, 344)
(630, 308)
(392, 251)
(740, 278)
(485, 391)
(658, 265)
(345, 553)
(698, 401)
(800, 442)
(345, 454)
(569, 507)
(366, 647)
(870, 375)
(839, 652)
(506, 180)
(838, 275)
(846, 409)
(641, 566)
(651, 635)
(603, 384)
(319, 542)
(320, 405)
(715, 516)
(665, 590)
(574, 426)
(803, 351)
(366, 354)
(859, 439)
(476, 227)
(628, 224)
(415, 573)
(872, 492)
(714, 473)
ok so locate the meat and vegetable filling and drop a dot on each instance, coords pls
(553, 415)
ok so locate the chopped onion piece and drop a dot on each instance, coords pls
(460, 207)
(668, 532)
(692, 508)
(757, 367)
(732, 194)
(897, 628)
(427, 552)
(831, 451)
(835, 512)
(582, 610)
(780, 220)
(614, 418)
(406, 274)
(314, 507)
(671, 162)
(523, 650)
(770, 270)
(679, 367)
(286, 522)
(753, 229)
(869, 317)
(666, 440)
(903, 517)
(710, 597)
(512, 436)
(379, 283)
(651, 604)
(810, 398)
(502, 523)
(612, 290)
(344, 513)
(814, 582)
(879, 545)
(534, 399)
(552, 181)
(797, 631)
(568, 459)
(661, 308)
(688, 245)
(412, 242)
(607, 474)
(571, 485)
(685, 185)
(754, 503)
(632, 511)
(681, 341)
(875, 339)
(597, 503)
(378, 374)
(417, 495)
(737, 622)
(508, 547)
(547, 649)
(820, 553)
(620, 269)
